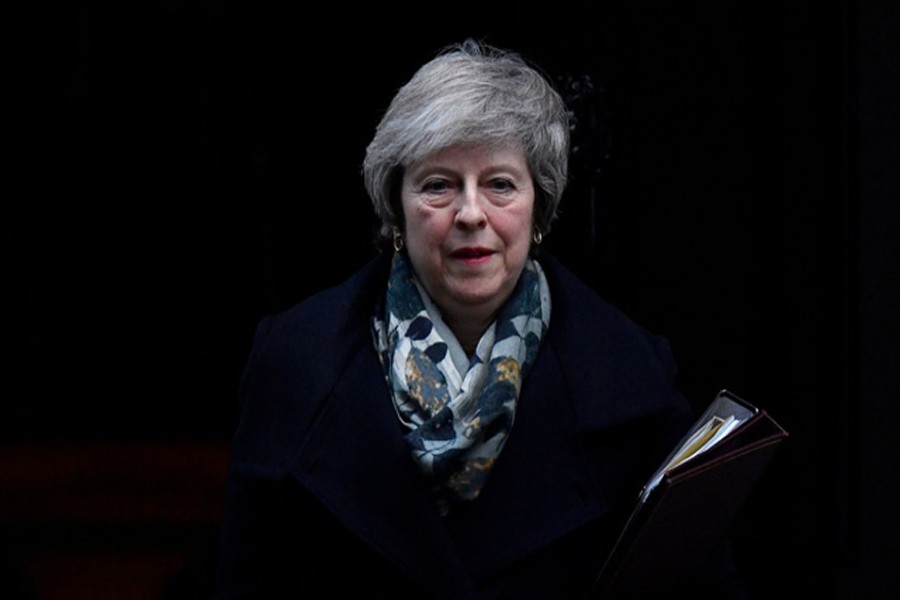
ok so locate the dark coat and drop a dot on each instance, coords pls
(324, 499)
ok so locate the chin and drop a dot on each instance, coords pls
(480, 297)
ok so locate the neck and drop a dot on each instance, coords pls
(468, 331)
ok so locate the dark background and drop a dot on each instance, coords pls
(191, 166)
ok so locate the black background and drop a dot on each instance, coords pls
(190, 167)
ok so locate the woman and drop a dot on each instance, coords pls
(462, 418)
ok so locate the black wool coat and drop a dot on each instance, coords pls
(324, 500)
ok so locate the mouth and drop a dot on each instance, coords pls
(471, 253)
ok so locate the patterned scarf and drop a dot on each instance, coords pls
(458, 409)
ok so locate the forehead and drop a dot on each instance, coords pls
(469, 155)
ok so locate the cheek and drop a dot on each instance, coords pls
(515, 229)
(427, 228)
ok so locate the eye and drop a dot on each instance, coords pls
(435, 186)
(502, 184)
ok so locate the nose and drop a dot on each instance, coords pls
(470, 212)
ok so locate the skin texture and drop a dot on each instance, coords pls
(468, 214)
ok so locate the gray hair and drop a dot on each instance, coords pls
(470, 93)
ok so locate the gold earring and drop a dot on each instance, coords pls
(398, 240)
(538, 237)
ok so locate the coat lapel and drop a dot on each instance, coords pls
(357, 463)
(541, 487)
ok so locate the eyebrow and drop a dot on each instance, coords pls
(429, 168)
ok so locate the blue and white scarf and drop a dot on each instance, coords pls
(459, 410)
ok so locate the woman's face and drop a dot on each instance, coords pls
(468, 214)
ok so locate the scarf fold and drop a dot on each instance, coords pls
(459, 410)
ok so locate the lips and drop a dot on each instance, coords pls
(471, 253)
